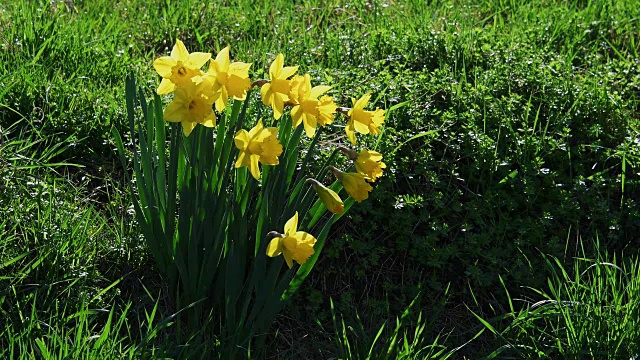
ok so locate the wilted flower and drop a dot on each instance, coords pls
(178, 69)
(363, 121)
(276, 92)
(260, 144)
(293, 244)
(191, 105)
(231, 79)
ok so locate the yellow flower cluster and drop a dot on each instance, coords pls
(196, 93)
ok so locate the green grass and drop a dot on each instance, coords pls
(518, 125)
(590, 310)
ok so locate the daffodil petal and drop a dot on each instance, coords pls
(242, 139)
(187, 127)
(221, 104)
(288, 258)
(256, 130)
(275, 247)
(374, 155)
(198, 59)
(310, 124)
(278, 106)
(164, 66)
(222, 59)
(266, 94)
(175, 112)
(240, 69)
(288, 71)
(361, 127)
(296, 115)
(362, 102)
(210, 120)
(291, 226)
(350, 132)
(276, 65)
(179, 52)
(316, 91)
(241, 159)
(166, 87)
(255, 170)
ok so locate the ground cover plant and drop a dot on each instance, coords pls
(511, 132)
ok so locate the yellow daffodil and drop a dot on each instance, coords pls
(191, 105)
(178, 69)
(329, 198)
(293, 244)
(231, 79)
(260, 144)
(311, 111)
(276, 92)
(354, 183)
(363, 121)
(369, 164)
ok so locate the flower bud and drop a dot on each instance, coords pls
(329, 197)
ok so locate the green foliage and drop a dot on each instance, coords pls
(589, 311)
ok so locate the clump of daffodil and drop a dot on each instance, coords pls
(178, 69)
(231, 79)
(259, 144)
(293, 244)
(354, 183)
(192, 105)
(276, 92)
(329, 198)
(367, 162)
(363, 121)
(309, 110)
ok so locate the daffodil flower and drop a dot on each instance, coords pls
(231, 79)
(260, 144)
(311, 111)
(354, 183)
(192, 105)
(293, 244)
(178, 69)
(330, 198)
(369, 164)
(276, 92)
(363, 121)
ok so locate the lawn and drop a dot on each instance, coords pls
(507, 214)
